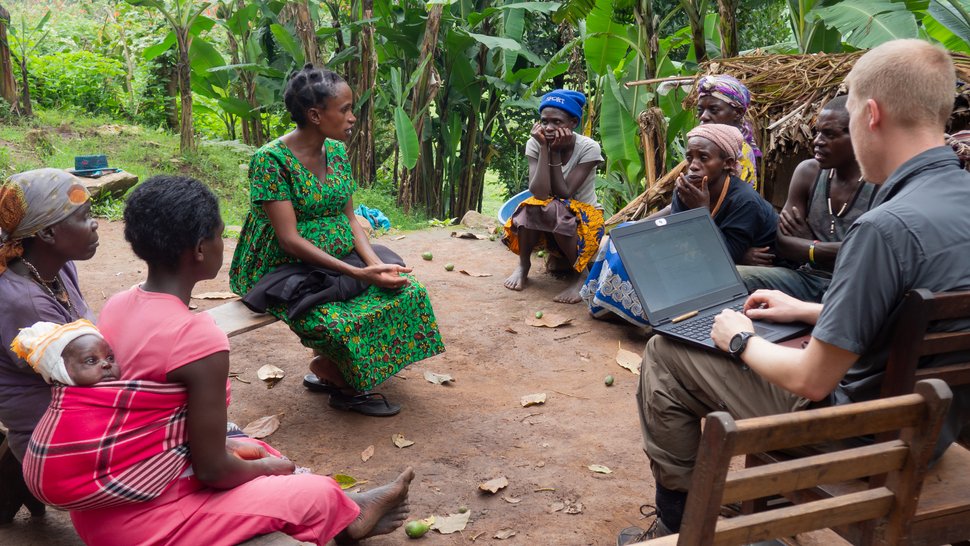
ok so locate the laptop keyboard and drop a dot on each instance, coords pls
(699, 328)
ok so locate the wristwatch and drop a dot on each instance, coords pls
(739, 343)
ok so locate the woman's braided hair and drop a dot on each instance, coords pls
(307, 88)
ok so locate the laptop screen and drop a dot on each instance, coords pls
(677, 261)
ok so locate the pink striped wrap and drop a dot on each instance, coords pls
(113, 443)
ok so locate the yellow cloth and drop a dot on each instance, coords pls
(589, 230)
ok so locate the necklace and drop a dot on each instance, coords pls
(828, 191)
(53, 287)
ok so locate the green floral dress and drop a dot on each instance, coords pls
(370, 337)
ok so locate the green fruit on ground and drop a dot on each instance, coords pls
(449, 267)
(462, 509)
(416, 529)
(427, 256)
(541, 254)
(492, 237)
(538, 314)
(608, 381)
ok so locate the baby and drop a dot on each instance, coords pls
(70, 354)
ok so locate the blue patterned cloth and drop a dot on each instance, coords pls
(608, 288)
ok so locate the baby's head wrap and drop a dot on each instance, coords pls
(566, 100)
(31, 201)
(726, 137)
(41, 346)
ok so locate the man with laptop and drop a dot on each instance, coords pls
(916, 236)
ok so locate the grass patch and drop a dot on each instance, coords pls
(109, 208)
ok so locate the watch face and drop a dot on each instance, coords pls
(736, 342)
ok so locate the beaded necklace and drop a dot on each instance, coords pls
(53, 287)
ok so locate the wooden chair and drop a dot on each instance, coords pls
(942, 514)
(911, 341)
(884, 510)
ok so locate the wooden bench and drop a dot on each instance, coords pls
(235, 318)
(884, 509)
(942, 514)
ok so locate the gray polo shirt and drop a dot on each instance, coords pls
(917, 235)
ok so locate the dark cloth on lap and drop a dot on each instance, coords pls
(301, 287)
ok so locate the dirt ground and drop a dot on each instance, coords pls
(464, 433)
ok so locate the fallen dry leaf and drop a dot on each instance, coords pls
(452, 523)
(262, 427)
(214, 296)
(504, 534)
(467, 235)
(400, 441)
(599, 469)
(493, 485)
(367, 453)
(270, 372)
(628, 359)
(510, 330)
(533, 399)
(437, 378)
(567, 506)
(511, 500)
(548, 320)
(474, 273)
(346, 482)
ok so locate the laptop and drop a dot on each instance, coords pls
(683, 274)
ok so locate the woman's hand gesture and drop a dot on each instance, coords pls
(565, 139)
(539, 134)
(385, 275)
(693, 196)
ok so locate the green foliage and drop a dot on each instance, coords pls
(86, 80)
(108, 207)
(868, 23)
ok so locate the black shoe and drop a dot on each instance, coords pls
(373, 404)
(315, 384)
(632, 535)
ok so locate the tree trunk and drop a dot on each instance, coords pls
(650, 45)
(415, 182)
(696, 20)
(25, 97)
(167, 70)
(361, 76)
(8, 84)
(298, 13)
(728, 27)
(186, 132)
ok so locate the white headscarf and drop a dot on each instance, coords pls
(41, 346)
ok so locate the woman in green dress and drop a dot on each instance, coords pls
(302, 212)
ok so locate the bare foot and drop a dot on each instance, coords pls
(571, 293)
(517, 279)
(382, 510)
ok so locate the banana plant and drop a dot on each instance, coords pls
(26, 40)
(182, 16)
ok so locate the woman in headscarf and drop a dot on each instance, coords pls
(45, 225)
(563, 215)
(724, 99)
(710, 180)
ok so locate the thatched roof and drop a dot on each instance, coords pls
(787, 91)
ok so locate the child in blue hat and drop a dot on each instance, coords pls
(563, 215)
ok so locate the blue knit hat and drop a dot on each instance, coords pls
(566, 100)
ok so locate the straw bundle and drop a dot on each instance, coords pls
(787, 91)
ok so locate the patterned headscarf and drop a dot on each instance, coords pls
(733, 92)
(31, 201)
(41, 345)
(726, 137)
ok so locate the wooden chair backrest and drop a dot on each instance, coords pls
(888, 508)
(911, 341)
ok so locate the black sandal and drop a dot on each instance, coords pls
(373, 404)
(315, 384)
